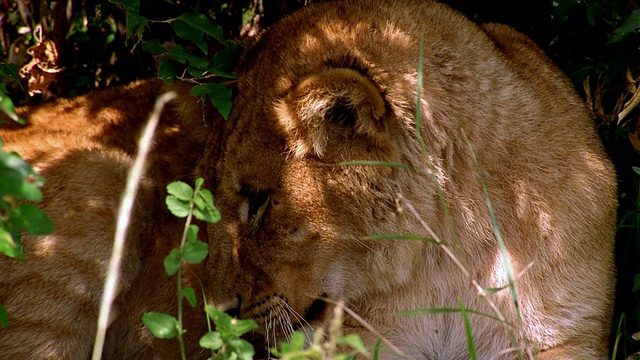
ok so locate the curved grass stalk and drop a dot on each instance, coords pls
(124, 217)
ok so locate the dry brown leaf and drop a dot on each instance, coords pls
(629, 106)
(43, 67)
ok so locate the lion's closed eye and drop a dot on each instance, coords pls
(255, 205)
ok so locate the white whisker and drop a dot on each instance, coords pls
(363, 244)
(267, 321)
(272, 317)
(303, 323)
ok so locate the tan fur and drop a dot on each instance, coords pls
(336, 82)
(84, 147)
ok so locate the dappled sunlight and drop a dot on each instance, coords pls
(498, 278)
(46, 246)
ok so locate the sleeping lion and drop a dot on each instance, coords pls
(327, 149)
(387, 156)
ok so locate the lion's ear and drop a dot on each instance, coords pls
(333, 109)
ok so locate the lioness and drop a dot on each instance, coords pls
(339, 82)
(84, 148)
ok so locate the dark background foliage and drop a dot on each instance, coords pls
(595, 42)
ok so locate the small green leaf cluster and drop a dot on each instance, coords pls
(8, 71)
(296, 348)
(610, 27)
(182, 198)
(331, 345)
(226, 343)
(174, 59)
(612, 13)
(135, 22)
(18, 185)
(184, 201)
(195, 28)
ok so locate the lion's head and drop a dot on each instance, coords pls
(322, 148)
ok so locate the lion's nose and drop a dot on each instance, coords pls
(232, 306)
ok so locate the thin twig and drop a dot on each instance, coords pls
(368, 326)
(124, 216)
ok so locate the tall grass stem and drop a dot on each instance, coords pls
(124, 217)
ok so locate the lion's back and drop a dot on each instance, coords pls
(84, 148)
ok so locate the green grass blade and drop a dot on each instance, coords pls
(404, 237)
(437, 311)
(508, 266)
(467, 328)
(376, 349)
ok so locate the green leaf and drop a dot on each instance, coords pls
(162, 326)
(211, 215)
(353, 341)
(182, 55)
(201, 22)
(179, 208)
(195, 251)
(207, 197)
(181, 190)
(199, 183)
(204, 209)
(192, 232)
(135, 22)
(190, 33)
(636, 284)
(211, 340)
(9, 246)
(6, 106)
(173, 261)
(242, 347)
(578, 72)
(4, 317)
(153, 47)
(225, 60)
(11, 71)
(196, 73)
(241, 327)
(628, 27)
(199, 90)
(220, 96)
(18, 178)
(167, 71)
(190, 295)
(220, 318)
(225, 74)
(31, 219)
(297, 343)
(561, 10)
